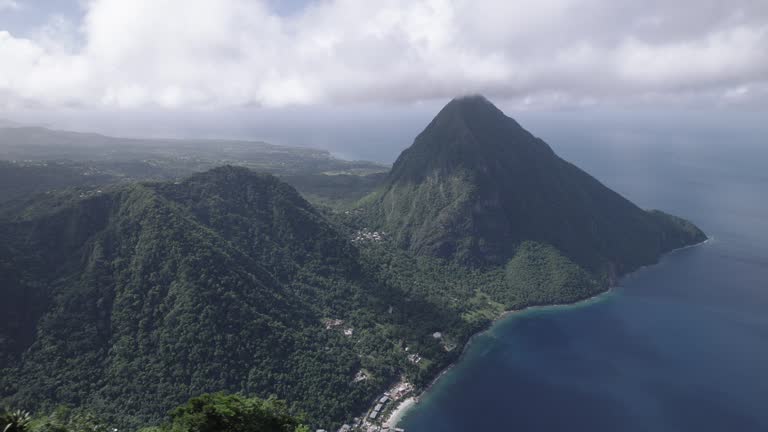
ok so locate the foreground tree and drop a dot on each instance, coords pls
(216, 412)
(221, 412)
(15, 421)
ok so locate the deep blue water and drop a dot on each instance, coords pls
(680, 346)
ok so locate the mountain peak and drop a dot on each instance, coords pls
(469, 134)
(472, 100)
(472, 105)
(475, 185)
(236, 175)
(469, 99)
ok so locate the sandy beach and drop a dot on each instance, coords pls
(399, 412)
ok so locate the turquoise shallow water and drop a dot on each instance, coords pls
(680, 346)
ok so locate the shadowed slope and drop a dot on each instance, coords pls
(474, 185)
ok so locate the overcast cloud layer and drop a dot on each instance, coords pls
(537, 53)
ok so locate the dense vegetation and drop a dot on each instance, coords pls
(138, 298)
(62, 419)
(216, 412)
(334, 190)
(231, 413)
(538, 275)
(126, 300)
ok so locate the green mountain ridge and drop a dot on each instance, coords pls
(171, 290)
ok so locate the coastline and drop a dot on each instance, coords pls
(402, 409)
(397, 414)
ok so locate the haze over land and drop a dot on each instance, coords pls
(379, 70)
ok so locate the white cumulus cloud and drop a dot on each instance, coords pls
(9, 5)
(224, 53)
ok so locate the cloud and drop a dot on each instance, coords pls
(224, 53)
(9, 5)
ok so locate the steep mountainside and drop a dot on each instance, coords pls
(135, 299)
(475, 185)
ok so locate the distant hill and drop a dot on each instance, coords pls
(475, 185)
(38, 159)
(184, 156)
(32, 142)
(23, 179)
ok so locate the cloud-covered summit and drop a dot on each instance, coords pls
(224, 53)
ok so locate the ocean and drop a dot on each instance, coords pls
(678, 346)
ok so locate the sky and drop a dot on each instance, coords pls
(308, 72)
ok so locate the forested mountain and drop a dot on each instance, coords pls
(141, 296)
(475, 185)
(130, 299)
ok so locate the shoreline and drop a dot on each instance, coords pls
(405, 405)
(402, 408)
